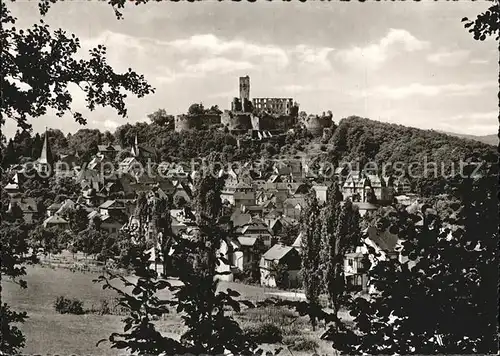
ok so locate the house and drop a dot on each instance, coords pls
(51, 210)
(100, 163)
(230, 250)
(27, 205)
(112, 208)
(56, 221)
(297, 244)
(258, 229)
(109, 151)
(14, 186)
(67, 205)
(90, 179)
(111, 224)
(365, 207)
(129, 164)
(321, 192)
(143, 152)
(280, 255)
(292, 207)
(355, 270)
(238, 194)
(66, 163)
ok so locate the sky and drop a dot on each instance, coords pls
(410, 63)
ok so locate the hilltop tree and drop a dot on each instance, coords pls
(196, 109)
(161, 118)
(310, 253)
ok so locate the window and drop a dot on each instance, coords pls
(350, 262)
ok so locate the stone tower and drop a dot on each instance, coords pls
(244, 88)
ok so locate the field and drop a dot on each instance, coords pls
(48, 332)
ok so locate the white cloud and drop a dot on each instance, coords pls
(448, 58)
(210, 45)
(295, 88)
(216, 64)
(417, 89)
(107, 124)
(396, 40)
(315, 56)
(479, 61)
(475, 123)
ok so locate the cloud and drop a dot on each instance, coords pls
(477, 123)
(210, 45)
(216, 64)
(448, 58)
(295, 88)
(396, 40)
(315, 56)
(107, 124)
(479, 61)
(417, 89)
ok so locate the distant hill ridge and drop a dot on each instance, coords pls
(370, 140)
(488, 139)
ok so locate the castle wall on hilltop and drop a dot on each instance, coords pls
(280, 106)
(316, 124)
(236, 120)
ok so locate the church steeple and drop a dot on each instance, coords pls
(46, 154)
(135, 147)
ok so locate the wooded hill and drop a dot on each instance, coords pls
(370, 140)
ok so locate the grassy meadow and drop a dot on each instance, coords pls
(49, 332)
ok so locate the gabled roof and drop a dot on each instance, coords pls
(108, 204)
(298, 241)
(54, 206)
(239, 219)
(247, 240)
(102, 148)
(46, 154)
(277, 252)
(55, 219)
(293, 202)
(384, 240)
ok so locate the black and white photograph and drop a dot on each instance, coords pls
(249, 177)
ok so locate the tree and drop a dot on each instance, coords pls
(9, 155)
(486, 24)
(47, 239)
(310, 253)
(288, 234)
(333, 246)
(279, 271)
(15, 255)
(38, 66)
(196, 109)
(448, 274)
(77, 218)
(194, 260)
(161, 118)
(180, 202)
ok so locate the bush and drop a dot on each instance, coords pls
(68, 306)
(300, 343)
(266, 333)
